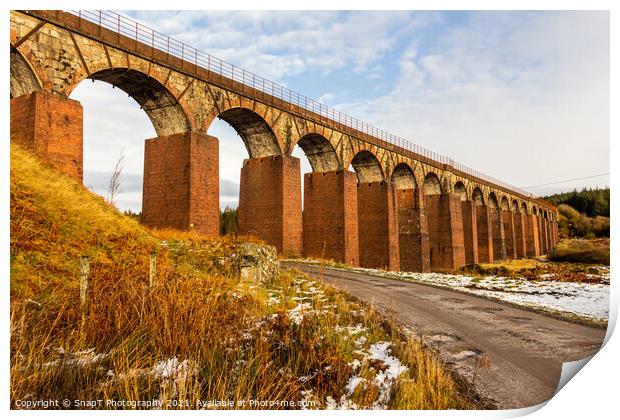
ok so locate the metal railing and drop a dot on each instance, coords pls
(172, 47)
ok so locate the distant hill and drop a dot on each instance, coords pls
(591, 202)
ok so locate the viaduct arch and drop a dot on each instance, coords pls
(399, 208)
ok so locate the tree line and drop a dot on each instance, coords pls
(590, 201)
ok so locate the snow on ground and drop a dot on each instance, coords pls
(586, 300)
(384, 379)
(307, 294)
(308, 298)
(583, 299)
(80, 359)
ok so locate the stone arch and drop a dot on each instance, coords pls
(367, 167)
(515, 206)
(320, 153)
(166, 113)
(504, 204)
(460, 190)
(257, 135)
(447, 185)
(493, 203)
(432, 184)
(523, 207)
(403, 177)
(477, 197)
(24, 80)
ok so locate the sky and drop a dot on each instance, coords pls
(521, 96)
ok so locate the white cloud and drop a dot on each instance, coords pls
(285, 43)
(522, 97)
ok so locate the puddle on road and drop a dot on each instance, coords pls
(455, 300)
(487, 310)
(465, 354)
(443, 338)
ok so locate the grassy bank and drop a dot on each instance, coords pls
(573, 260)
(197, 338)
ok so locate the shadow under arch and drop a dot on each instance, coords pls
(460, 190)
(432, 185)
(163, 109)
(403, 177)
(23, 79)
(477, 197)
(320, 153)
(504, 204)
(367, 167)
(258, 137)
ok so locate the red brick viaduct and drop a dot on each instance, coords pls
(403, 208)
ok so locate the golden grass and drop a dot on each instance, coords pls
(574, 260)
(222, 340)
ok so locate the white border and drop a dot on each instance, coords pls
(591, 395)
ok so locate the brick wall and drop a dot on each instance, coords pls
(330, 228)
(470, 231)
(51, 126)
(519, 223)
(270, 202)
(377, 225)
(485, 237)
(445, 231)
(509, 234)
(541, 238)
(414, 248)
(531, 236)
(413, 240)
(547, 234)
(181, 183)
(497, 233)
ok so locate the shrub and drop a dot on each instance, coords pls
(586, 255)
(573, 223)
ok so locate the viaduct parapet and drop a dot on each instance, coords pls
(401, 208)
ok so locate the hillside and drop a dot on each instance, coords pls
(197, 337)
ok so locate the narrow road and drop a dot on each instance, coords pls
(525, 350)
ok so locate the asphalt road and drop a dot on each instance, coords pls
(525, 350)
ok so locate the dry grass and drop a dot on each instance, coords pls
(574, 260)
(594, 251)
(198, 335)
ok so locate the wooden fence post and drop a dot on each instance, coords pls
(84, 288)
(152, 269)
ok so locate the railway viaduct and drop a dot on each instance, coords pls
(401, 207)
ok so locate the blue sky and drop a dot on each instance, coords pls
(521, 96)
